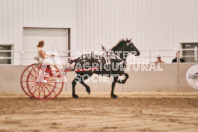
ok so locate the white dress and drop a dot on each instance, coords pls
(47, 60)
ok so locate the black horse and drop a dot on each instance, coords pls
(111, 63)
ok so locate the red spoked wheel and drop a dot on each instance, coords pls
(24, 77)
(44, 82)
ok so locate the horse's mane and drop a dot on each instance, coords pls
(118, 44)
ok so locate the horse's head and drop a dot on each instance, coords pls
(124, 47)
(131, 47)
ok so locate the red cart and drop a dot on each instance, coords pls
(48, 88)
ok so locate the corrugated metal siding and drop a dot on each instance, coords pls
(16, 14)
(153, 24)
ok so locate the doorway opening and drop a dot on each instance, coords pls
(56, 39)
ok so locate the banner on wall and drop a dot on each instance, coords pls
(192, 76)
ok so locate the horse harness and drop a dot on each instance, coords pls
(110, 55)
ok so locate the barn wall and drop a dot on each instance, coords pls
(152, 24)
(16, 14)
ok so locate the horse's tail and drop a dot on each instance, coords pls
(72, 61)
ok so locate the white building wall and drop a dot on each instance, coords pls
(152, 24)
(16, 14)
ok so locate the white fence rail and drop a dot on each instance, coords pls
(147, 56)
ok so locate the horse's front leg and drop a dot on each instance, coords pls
(126, 77)
(112, 88)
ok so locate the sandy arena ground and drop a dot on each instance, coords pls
(152, 112)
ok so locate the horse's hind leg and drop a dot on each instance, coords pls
(73, 87)
(87, 87)
(79, 78)
(84, 77)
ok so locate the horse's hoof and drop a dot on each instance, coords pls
(114, 96)
(75, 96)
(88, 90)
